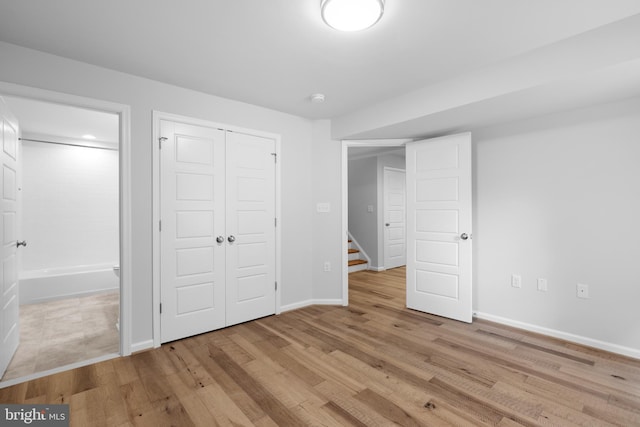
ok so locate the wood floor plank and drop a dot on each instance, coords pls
(374, 363)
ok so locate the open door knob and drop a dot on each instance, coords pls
(464, 236)
(219, 239)
(21, 243)
(231, 239)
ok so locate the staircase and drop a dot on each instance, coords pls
(354, 261)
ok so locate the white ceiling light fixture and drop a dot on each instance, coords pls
(351, 15)
(317, 98)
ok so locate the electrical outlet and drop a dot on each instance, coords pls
(327, 266)
(542, 285)
(516, 281)
(582, 291)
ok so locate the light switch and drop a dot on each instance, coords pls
(370, 208)
(323, 207)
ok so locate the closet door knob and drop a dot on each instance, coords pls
(219, 239)
(464, 236)
(231, 239)
(21, 243)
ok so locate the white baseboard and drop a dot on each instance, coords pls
(578, 339)
(377, 269)
(307, 303)
(336, 301)
(140, 346)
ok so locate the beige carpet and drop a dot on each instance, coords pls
(62, 332)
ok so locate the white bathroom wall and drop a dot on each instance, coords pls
(70, 206)
(558, 197)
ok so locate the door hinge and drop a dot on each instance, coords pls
(275, 157)
(160, 308)
(160, 225)
(276, 286)
(275, 222)
(162, 138)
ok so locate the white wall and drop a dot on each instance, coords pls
(366, 186)
(363, 192)
(69, 206)
(326, 241)
(36, 69)
(558, 197)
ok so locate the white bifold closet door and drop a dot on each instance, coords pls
(217, 239)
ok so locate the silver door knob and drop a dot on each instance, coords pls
(220, 239)
(464, 236)
(231, 239)
(387, 224)
(21, 243)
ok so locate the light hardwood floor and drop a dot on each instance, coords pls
(373, 363)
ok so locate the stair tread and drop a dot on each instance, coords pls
(357, 262)
(353, 251)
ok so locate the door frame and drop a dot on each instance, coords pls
(124, 113)
(346, 144)
(157, 117)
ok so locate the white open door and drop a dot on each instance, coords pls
(9, 303)
(192, 206)
(251, 250)
(439, 226)
(394, 194)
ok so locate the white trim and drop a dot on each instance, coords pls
(124, 113)
(157, 116)
(377, 142)
(344, 232)
(345, 198)
(377, 269)
(578, 339)
(155, 235)
(310, 302)
(14, 381)
(392, 150)
(141, 346)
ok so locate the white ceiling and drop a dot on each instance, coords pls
(43, 120)
(276, 53)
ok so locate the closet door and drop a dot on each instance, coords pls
(192, 206)
(250, 227)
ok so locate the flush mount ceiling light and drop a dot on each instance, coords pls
(317, 98)
(351, 15)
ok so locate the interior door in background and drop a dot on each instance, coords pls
(9, 298)
(394, 190)
(439, 226)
